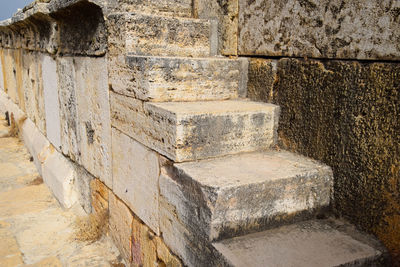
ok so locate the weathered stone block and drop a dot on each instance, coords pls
(325, 29)
(309, 243)
(164, 36)
(121, 226)
(135, 177)
(32, 79)
(226, 13)
(185, 131)
(68, 107)
(82, 184)
(93, 114)
(252, 191)
(85, 121)
(59, 174)
(51, 102)
(99, 196)
(183, 79)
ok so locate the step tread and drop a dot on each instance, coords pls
(310, 243)
(251, 168)
(213, 107)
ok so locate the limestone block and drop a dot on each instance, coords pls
(135, 177)
(185, 131)
(99, 196)
(51, 102)
(68, 107)
(32, 81)
(12, 70)
(94, 122)
(59, 175)
(85, 114)
(167, 36)
(250, 191)
(226, 13)
(121, 226)
(179, 225)
(82, 183)
(309, 243)
(326, 29)
(178, 8)
(185, 79)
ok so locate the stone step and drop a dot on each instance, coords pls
(310, 243)
(162, 79)
(154, 35)
(233, 195)
(185, 131)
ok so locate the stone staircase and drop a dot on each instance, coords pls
(228, 196)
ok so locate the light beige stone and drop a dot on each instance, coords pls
(185, 131)
(135, 172)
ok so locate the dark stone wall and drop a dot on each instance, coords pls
(346, 114)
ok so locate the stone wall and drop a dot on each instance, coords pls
(54, 73)
(335, 108)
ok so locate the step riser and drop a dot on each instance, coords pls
(166, 36)
(191, 137)
(162, 79)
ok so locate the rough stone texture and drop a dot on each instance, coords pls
(262, 74)
(85, 121)
(68, 107)
(346, 114)
(325, 29)
(181, 79)
(252, 191)
(94, 121)
(162, 36)
(81, 28)
(99, 196)
(82, 184)
(59, 174)
(135, 172)
(185, 131)
(121, 226)
(32, 78)
(179, 220)
(12, 65)
(310, 243)
(179, 8)
(226, 13)
(51, 103)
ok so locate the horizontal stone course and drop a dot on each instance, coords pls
(185, 131)
(353, 29)
(166, 36)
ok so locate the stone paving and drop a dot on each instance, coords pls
(34, 229)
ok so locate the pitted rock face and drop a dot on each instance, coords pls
(327, 29)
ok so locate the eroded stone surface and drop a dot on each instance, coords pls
(326, 29)
(161, 35)
(186, 131)
(180, 8)
(239, 193)
(310, 243)
(180, 79)
(135, 172)
(226, 12)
